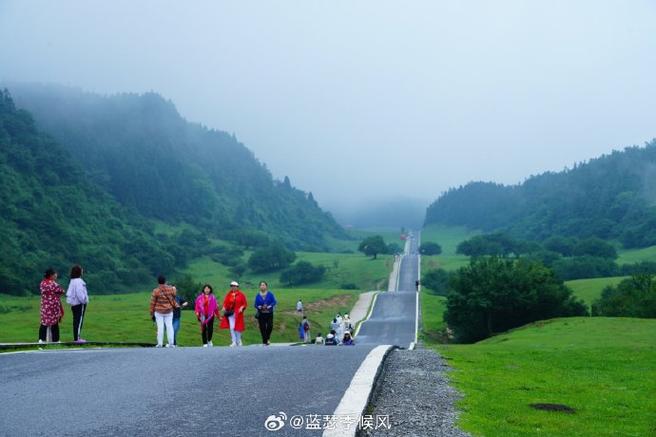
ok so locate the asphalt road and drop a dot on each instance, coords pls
(193, 391)
(392, 320)
(179, 392)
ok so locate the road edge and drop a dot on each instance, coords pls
(358, 394)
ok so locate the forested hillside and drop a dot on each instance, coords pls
(87, 179)
(152, 160)
(611, 197)
(53, 214)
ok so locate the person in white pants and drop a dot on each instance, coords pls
(235, 335)
(162, 304)
(162, 321)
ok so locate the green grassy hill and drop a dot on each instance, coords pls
(590, 289)
(603, 368)
(448, 237)
(363, 272)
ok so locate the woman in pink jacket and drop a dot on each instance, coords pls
(206, 310)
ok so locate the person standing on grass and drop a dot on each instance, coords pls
(52, 310)
(177, 314)
(162, 304)
(78, 298)
(299, 306)
(265, 301)
(234, 305)
(304, 330)
(206, 309)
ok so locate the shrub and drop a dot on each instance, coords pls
(495, 294)
(430, 248)
(437, 281)
(633, 297)
(302, 272)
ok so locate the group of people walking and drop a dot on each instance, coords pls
(231, 313)
(165, 311)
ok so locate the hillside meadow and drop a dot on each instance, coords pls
(448, 237)
(602, 368)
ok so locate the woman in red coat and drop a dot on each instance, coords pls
(234, 305)
(52, 310)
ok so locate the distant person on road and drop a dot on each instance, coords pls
(265, 302)
(52, 310)
(78, 297)
(331, 340)
(206, 309)
(234, 305)
(162, 304)
(346, 321)
(299, 306)
(347, 340)
(177, 315)
(417, 285)
(319, 340)
(304, 330)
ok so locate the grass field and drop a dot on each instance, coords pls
(604, 368)
(341, 269)
(125, 317)
(636, 255)
(448, 237)
(432, 310)
(590, 289)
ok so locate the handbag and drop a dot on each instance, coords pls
(230, 312)
(257, 314)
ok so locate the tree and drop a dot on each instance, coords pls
(495, 294)
(430, 248)
(437, 281)
(394, 249)
(302, 272)
(633, 297)
(372, 246)
(497, 244)
(561, 245)
(594, 247)
(271, 258)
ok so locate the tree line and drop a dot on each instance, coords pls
(610, 197)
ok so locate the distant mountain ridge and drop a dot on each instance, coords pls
(611, 197)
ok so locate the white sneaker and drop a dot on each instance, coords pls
(233, 344)
(158, 346)
(41, 341)
(239, 343)
(205, 345)
(210, 343)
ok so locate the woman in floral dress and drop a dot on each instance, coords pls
(52, 310)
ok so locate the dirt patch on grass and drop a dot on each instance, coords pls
(554, 407)
(322, 304)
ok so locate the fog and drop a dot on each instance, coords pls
(365, 101)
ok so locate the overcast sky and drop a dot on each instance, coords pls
(359, 100)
